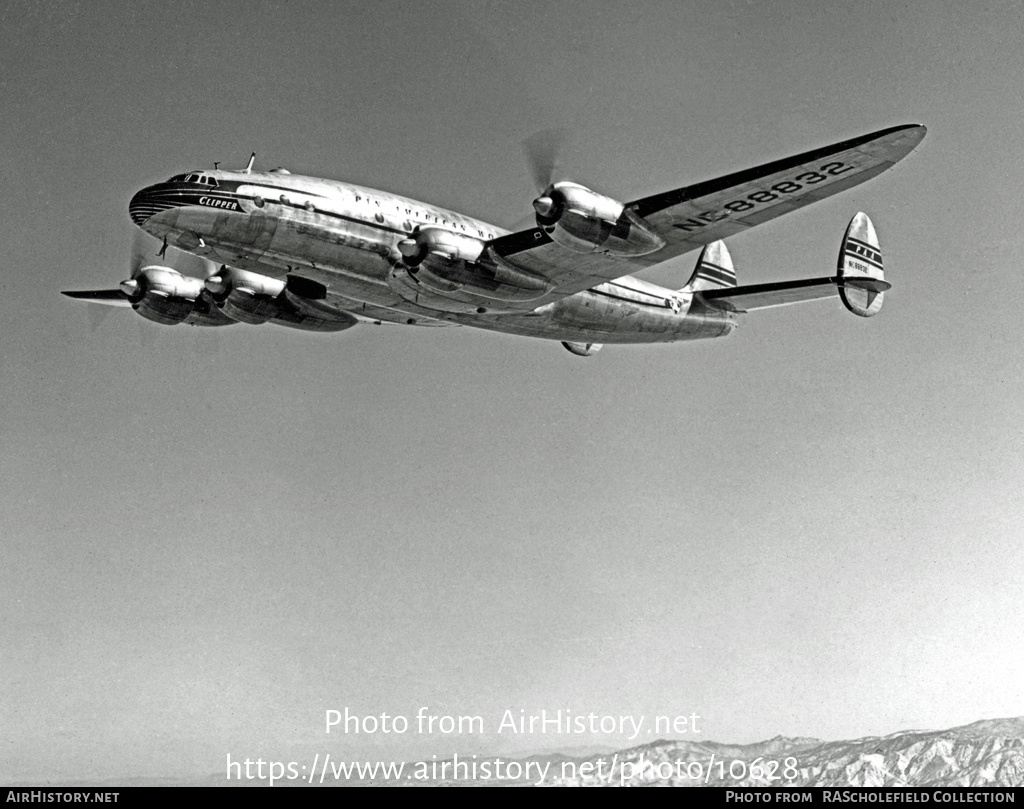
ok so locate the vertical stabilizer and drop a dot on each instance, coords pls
(862, 282)
(714, 269)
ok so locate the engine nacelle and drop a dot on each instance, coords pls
(246, 296)
(166, 296)
(441, 243)
(297, 303)
(586, 222)
(445, 262)
(438, 258)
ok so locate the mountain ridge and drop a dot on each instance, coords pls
(989, 752)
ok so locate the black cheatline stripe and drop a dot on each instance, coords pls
(140, 212)
(179, 199)
(188, 198)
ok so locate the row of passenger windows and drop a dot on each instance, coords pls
(202, 179)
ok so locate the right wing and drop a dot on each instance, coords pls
(693, 216)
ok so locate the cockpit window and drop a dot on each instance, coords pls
(202, 179)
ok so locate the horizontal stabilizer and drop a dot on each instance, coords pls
(780, 293)
(859, 281)
(764, 296)
(870, 284)
(109, 297)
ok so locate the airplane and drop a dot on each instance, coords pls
(323, 256)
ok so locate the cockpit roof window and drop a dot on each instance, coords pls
(194, 178)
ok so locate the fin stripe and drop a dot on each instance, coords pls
(873, 251)
(725, 270)
(717, 275)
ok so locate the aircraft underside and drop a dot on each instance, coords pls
(354, 264)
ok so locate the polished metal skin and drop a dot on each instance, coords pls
(322, 255)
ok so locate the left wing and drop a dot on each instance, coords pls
(696, 215)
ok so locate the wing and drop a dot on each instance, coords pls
(690, 217)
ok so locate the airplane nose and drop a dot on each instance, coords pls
(142, 206)
(154, 199)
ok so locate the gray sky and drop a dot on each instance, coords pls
(810, 528)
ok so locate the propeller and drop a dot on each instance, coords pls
(168, 283)
(164, 284)
(97, 316)
(147, 251)
(543, 151)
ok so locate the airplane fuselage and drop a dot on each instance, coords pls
(347, 237)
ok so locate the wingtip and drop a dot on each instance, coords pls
(918, 130)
